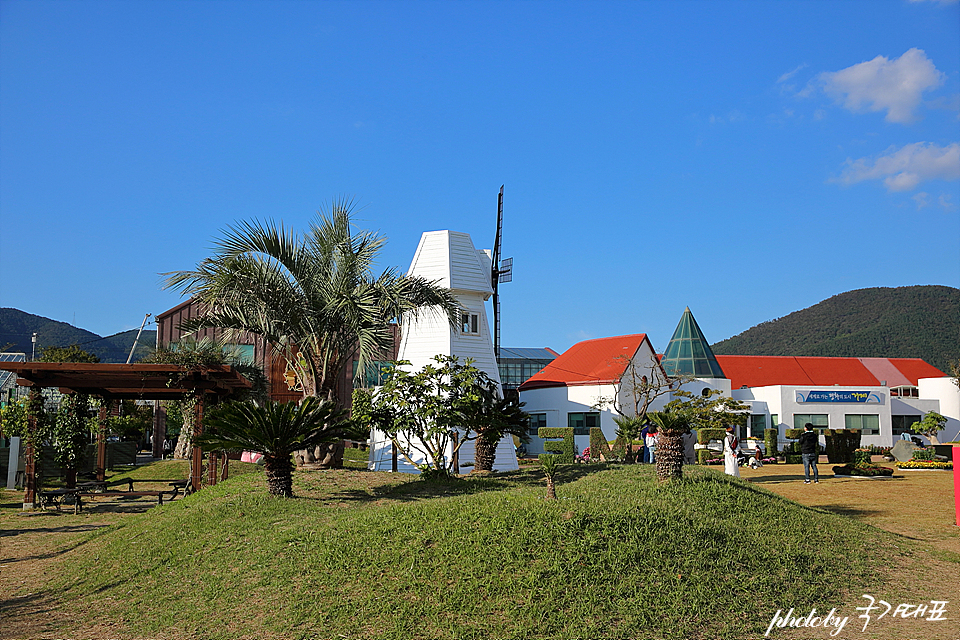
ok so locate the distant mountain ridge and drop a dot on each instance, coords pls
(17, 328)
(905, 322)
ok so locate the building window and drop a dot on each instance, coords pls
(537, 420)
(515, 372)
(239, 353)
(583, 422)
(758, 422)
(905, 391)
(775, 420)
(469, 322)
(869, 424)
(374, 375)
(902, 424)
(818, 420)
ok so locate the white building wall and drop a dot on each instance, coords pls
(946, 390)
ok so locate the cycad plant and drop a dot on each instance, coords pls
(276, 430)
(670, 429)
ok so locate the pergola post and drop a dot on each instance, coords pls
(212, 460)
(159, 428)
(102, 415)
(196, 467)
(30, 470)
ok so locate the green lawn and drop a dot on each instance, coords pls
(371, 555)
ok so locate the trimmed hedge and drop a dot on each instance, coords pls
(770, 437)
(792, 434)
(564, 449)
(600, 448)
(793, 458)
(703, 455)
(840, 445)
(704, 436)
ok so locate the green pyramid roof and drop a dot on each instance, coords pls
(688, 353)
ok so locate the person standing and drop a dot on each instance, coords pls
(809, 452)
(731, 447)
(644, 456)
(651, 443)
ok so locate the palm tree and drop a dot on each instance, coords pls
(670, 428)
(276, 430)
(313, 296)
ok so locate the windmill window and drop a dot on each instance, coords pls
(469, 322)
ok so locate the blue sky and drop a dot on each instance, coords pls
(745, 159)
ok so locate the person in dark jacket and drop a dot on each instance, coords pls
(809, 452)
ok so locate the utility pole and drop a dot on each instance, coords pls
(137, 339)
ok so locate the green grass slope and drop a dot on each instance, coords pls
(617, 556)
(904, 322)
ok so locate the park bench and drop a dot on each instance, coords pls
(57, 498)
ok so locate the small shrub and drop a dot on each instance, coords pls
(869, 470)
(924, 455)
(862, 456)
(793, 458)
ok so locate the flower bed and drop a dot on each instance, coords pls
(869, 471)
(925, 464)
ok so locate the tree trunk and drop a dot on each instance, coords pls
(485, 454)
(184, 448)
(551, 491)
(279, 472)
(669, 455)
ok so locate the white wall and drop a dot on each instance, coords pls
(944, 389)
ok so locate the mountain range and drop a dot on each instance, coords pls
(17, 329)
(904, 322)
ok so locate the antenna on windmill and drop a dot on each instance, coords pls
(499, 272)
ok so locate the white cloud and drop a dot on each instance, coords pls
(894, 86)
(945, 201)
(905, 168)
(922, 199)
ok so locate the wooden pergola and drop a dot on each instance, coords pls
(114, 382)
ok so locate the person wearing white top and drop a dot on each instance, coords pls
(651, 443)
(731, 447)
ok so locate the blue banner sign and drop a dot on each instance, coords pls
(861, 397)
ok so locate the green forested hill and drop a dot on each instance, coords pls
(905, 322)
(17, 328)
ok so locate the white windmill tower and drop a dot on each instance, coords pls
(450, 259)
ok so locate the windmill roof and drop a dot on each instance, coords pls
(765, 371)
(598, 361)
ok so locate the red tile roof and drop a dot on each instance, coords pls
(599, 361)
(765, 371)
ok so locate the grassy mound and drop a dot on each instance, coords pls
(617, 556)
